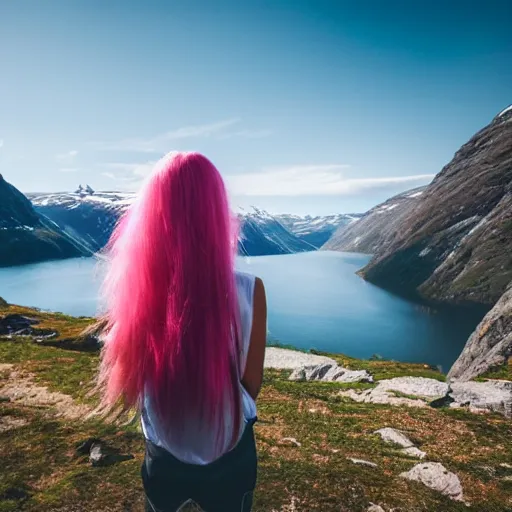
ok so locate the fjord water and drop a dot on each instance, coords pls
(315, 300)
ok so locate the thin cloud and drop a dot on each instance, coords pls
(1, 143)
(68, 156)
(160, 143)
(134, 169)
(314, 180)
(68, 169)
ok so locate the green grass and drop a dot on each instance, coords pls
(41, 469)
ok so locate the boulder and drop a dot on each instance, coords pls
(374, 508)
(329, 372)
(415, 386)
(490, 345)
(490, 396)
(435, 476)
(393, 436)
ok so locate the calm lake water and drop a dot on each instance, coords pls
(315, 300)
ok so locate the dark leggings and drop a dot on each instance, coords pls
(225, 485)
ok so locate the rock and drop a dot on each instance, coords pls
(380, 396)
(96, 455)
(416, 386)
(285, 359)
(374, 508)
(393, 436)
(290, 441)
(435, 476)
(16, 324)
(412, 451)
(490, 345)
(84, 447)
(363, 462)
(329, 372)
(490, 396)
(101, 455)
(3, 303)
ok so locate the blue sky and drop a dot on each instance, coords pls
(305, 107)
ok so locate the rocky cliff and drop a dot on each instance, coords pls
(28, 237)
(490, 346)
(455, 244)
(371, 233)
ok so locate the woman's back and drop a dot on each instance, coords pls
(198, 444)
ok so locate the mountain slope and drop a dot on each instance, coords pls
(28, 237)
(489, 348)
(315, 230)
(374, 229)
(93, 216)
(455, 245)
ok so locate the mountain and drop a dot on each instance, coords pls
(316, 230)
(90, 216)
(27, 236)
(376, 227)
(93, 215)
(455, 244)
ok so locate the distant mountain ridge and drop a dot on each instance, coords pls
(93, 215)
(27, 236)
(316, 230)
(375, 228)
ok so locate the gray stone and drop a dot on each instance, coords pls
(435, 476)
(393, 436)
(290, 441)
(381, 396)
(374, 508)
(416, 386)
(412, 451)
(490, 396)
(96, 455)
(490, 345)
(329, 372)
(362, 462)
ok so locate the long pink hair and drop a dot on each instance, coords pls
(171, 302)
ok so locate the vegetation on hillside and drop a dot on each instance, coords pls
(42, 469)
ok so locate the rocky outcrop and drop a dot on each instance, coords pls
(329, 372)
(376, 228)
(490, 396)
(28, 237)
(490, 345)
(454, 245)
(435, 476)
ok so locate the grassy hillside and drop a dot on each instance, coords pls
(50, 417)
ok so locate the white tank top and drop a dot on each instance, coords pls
(198, 447)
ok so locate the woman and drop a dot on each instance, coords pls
(185, 340)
